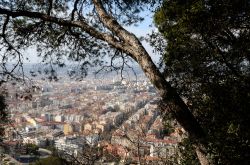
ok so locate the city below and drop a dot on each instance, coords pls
(120, 116)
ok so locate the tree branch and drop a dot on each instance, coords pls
(11, 47)
(68, 23)
(108, 20)
(74, 10)
(50, 7)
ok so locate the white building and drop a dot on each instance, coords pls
(59, 118)
(70, 145)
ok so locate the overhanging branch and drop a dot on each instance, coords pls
(68, 23)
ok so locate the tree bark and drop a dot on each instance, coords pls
(173, 103)
(132, 46)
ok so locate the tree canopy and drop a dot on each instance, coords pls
(65, 29)
(207, 61)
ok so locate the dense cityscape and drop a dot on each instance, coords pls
(120, 116)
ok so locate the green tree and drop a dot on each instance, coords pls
(32, 149)
(51, 160)
(207, 61)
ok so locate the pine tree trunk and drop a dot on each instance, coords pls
(172, 102)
